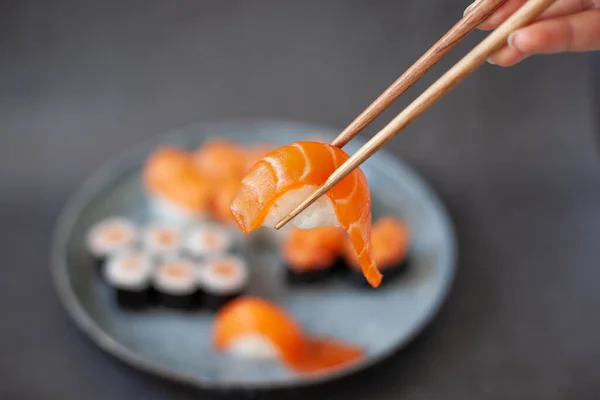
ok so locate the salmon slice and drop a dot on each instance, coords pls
(278, 182)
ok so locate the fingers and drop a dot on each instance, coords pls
(507, 57)
(559, 8)
(566, 7)
(574, 33)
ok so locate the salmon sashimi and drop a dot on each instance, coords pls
(278, 182)
(254, 328)
(170, 174)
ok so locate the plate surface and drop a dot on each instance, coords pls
(177, 345)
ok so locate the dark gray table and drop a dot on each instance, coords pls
(512, 152)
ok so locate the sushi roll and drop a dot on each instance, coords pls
(390, 241)
(109, 237)
(175, 282)
(208, 240)
(312, 255)
(178, 191)
(162, 240)
(222, 279)
(255, 329)
(285, 177)
(129, 273)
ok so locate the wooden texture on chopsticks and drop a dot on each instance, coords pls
(469, 63)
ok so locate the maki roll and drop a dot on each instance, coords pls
(109, 237)
(208, 240)
(176, 284)
(178, 191)
(390, 240)
(311, 255)
(129, 273)
(162, 239)
(222, 279)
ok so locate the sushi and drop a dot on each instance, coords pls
(253, 328)
(221, 200)
(222, 279)
(162, 239)
(311, 255)
(220, 159)
(208, 240)
(129, 273)
(110, 236)
(254, 154)
(176, 284)
(286, 176)
(390, 239)
(256, 329)
(178, 191)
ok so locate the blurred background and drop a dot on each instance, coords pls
(512, 152)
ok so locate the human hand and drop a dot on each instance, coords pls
(566, 26)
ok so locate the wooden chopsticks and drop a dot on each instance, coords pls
(469, 63)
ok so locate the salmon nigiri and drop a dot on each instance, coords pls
(176, 187)
(278, 182)
(253, 328)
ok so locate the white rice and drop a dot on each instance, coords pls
(255, 347)
(176, 285)
(100, 246)
(152, 238)
(320, 213)
(218, 284)
(129, 270)
(208, 240)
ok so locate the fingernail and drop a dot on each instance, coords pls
(511, 40)
(468, 9)
(489, 60)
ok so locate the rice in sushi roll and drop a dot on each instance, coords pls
(129, 273)
(311, 255)
(178, 191)
(162, 239)
(176, 284)
(390, 240)
(208, 240)
(222, 279)
(109, 237)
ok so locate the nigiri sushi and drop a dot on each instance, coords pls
(178, 191)
(277, 183)
(220, 159)
(253, 328)
(390, 239)
(221, 200)
(311, 255)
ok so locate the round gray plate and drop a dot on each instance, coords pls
(177, 345)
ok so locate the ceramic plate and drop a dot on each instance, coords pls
(177, 345)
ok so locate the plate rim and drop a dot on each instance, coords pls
(84, 193)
